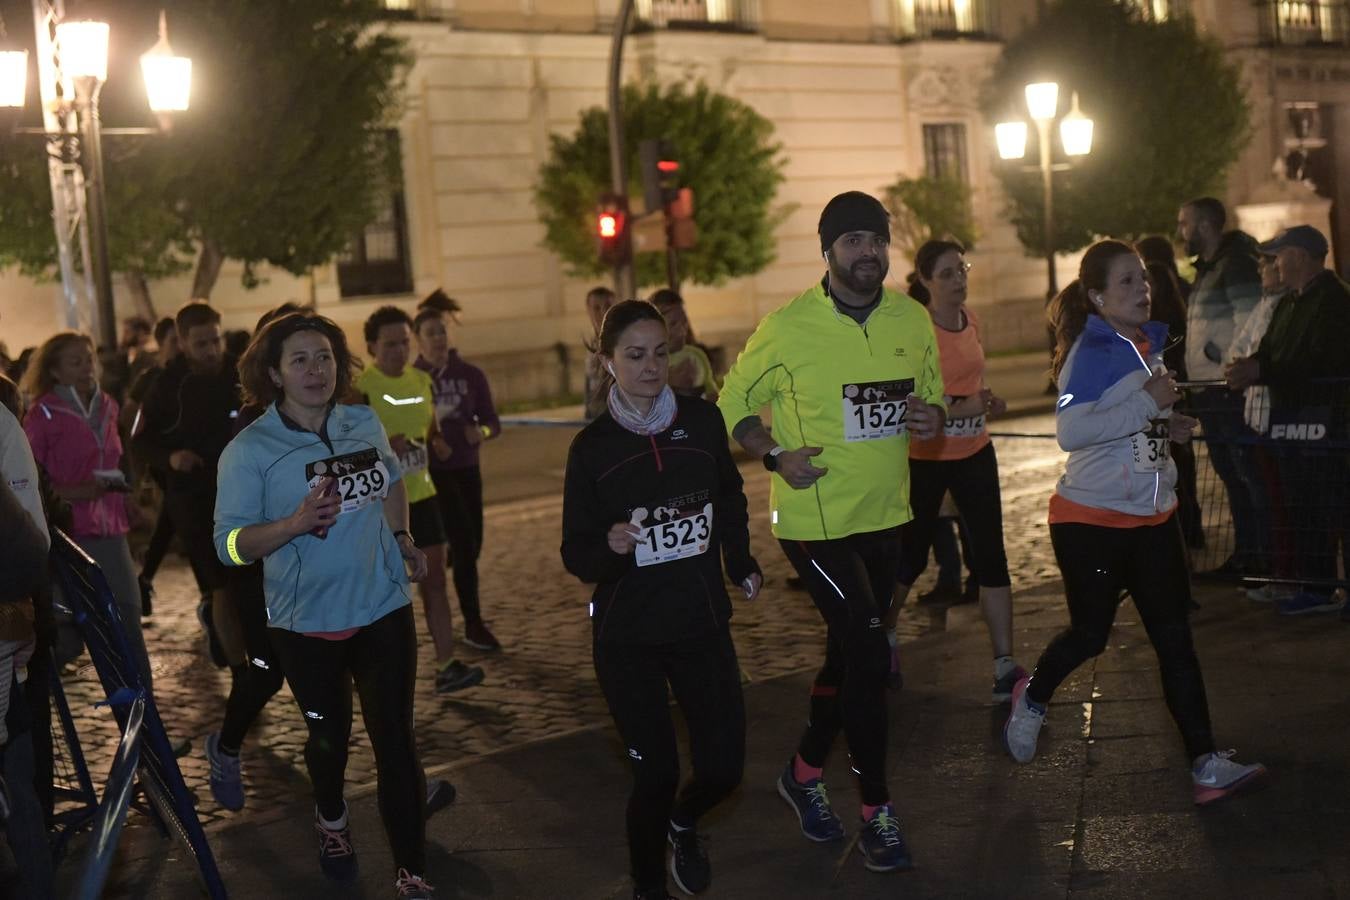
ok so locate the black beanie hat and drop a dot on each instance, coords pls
(852, 211)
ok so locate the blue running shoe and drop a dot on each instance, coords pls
(227, 783)
(1308, 602)
(881, 843)
(337, 856)
(812, 805)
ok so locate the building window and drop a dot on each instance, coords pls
(1158, 10)
(377, 261)
(732, 15)
(944, 18)
(944, 151)
(1310, 21)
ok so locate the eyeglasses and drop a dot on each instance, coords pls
(948, 274)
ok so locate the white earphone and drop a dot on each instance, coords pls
(610, 366)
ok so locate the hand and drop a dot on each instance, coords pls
(319, 509)
(794, 467)
(751, 585)
(925, 419)
(994, 405)
(1180, 427)
(184, 461)
(399, 444)
(1162, 387)
(440, 447)
(1242, 373)
(623, 537)
(414, 559)
(473, 433)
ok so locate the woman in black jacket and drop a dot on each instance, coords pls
(651, 498)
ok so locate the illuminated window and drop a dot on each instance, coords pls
(1158, 10)
(738, 14)
(939, 18)
(944, 151)
(1311, 22)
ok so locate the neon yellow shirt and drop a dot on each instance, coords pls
(832, 383)
(405, 408)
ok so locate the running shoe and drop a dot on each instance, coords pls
(881, 843)
(408, 886)
(337, 856)
(1268, 593)
(227, 783)
(1305, 602)
(440, 794)
(456, 677)
(476, 635)
(811, 803)
(689, 863)
(1003, 687)
(1023, 725)
(1218, 777)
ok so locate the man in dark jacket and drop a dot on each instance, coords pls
(186, 421)
(1302, 358)
(1227, 288)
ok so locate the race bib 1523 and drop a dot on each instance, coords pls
(673, 531)
(876, 409)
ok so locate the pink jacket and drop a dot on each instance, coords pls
(64, 444)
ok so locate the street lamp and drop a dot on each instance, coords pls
(72, 68)
(1075, 133)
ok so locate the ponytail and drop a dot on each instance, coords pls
(1068, 314)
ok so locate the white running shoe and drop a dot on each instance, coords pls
(1023, 725)
(1218, 777)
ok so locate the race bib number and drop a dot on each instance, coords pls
(876, 409)
(970, 426)
(414, 458)
(361, 477)
(1150, 447)
(672, 532)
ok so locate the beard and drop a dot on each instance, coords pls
(863, 277)
(1193, 246)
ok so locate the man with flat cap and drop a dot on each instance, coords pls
(1304, 361)
(849, 369)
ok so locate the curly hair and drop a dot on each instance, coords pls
(264, 354)
(37, 378)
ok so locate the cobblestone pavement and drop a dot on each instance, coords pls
(542, 684)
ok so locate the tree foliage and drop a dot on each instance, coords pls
(279, 160)
(1169, 112)
(727, 156)
(927, 208)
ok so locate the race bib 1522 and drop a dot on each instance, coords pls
(876, 409)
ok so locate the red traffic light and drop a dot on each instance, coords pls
(609, 225)
(667, 165)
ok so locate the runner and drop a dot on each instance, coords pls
(849, 370)
(467, 418)
(314, 490)
(652, 505)
(691, 372)
(960, 460)
(1110, 535)
(401, 396)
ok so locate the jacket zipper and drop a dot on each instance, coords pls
(1157, 476)
(656, 451)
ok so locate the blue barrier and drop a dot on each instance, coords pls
(91, 601)
(74, 791)
(112, 811)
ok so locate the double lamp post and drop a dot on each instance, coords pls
(1075, 133)
(72, 63)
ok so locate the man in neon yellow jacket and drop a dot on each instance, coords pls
(848, 370)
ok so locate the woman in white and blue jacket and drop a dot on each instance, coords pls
(1112, 519)
(313, 489)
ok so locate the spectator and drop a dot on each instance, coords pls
(1303, 361)
(598, 301)
(1157, 249)
(691, 373)
(1227, 288)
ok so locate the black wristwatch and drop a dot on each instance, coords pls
(770, 459)
(402, 531)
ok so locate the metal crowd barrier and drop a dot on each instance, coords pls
(94, 608)
(112, 811)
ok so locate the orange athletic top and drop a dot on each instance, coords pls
(961, 356)
(1064, 511)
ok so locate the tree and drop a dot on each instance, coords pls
(1169, 111)
(280, 159)
(926, 208)
(726, 156)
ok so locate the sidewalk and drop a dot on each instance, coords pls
(1104, 810)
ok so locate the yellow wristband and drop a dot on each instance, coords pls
(232, 548)
(487, 432)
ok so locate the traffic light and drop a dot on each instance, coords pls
(611, 230)
(660, 174)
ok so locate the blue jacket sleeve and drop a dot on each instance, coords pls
(240, 493)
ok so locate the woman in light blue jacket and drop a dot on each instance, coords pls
(1112, 519)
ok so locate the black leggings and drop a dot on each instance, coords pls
(382, 659)
(158, 547)
(852, 582)
(460, 494)
(1150, 562)
(973, 482)
(705, 678)
(192, 514)
(253, 683)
